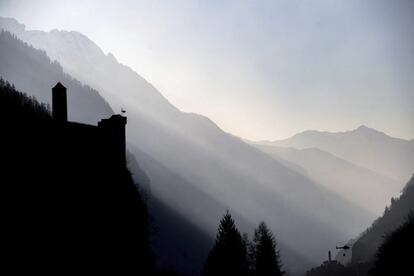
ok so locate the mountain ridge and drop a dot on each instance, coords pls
(363, 146)
(360, 129)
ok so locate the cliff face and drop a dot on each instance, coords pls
(70, 204)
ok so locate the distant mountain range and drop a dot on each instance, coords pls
(354, 183)
(364, 146)
(196, 169)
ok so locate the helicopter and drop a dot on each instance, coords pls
(345, 247)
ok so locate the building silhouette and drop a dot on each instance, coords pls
(109, 134)
(59, 103)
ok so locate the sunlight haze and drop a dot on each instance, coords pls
(261, 70)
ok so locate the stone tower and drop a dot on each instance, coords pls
(59, 103)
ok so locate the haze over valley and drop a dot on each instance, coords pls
(315, 190)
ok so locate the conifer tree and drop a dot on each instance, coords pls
(266, 256)
(228, 255)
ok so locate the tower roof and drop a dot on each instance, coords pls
(59, 86)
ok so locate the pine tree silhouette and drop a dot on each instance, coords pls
(229, 254)
(266, 256)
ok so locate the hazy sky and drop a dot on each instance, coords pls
(259, 69)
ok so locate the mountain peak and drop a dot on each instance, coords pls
(364, 128)
(367, 130)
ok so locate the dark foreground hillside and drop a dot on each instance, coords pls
(70, 202)
(394, 256)
(366, 246)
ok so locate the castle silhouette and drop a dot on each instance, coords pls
(109, 133)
